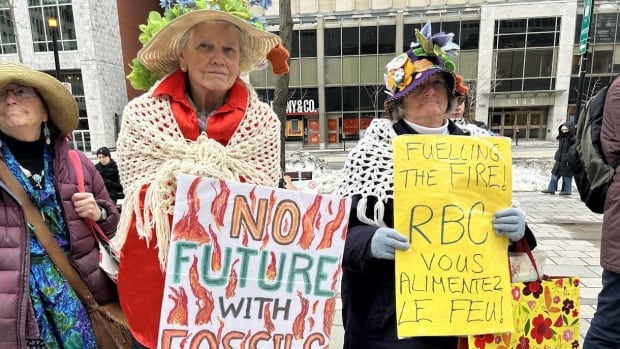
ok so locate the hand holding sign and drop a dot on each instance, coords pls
(385, 242)
(510, 222)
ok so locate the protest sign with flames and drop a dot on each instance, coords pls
(251, 266)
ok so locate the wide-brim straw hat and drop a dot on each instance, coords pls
(161, 54)
(61, 105)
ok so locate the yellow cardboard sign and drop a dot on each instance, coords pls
(454, 280)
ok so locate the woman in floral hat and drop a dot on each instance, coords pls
(201, 119)
(423, 92)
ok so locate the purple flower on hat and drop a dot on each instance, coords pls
(440, 45)
(429, 54)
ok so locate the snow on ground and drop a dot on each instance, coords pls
(527, 174)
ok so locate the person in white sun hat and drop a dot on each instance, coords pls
(199, 118)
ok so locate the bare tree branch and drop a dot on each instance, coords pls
(281, 88)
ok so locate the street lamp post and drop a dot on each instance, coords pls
(52, 24)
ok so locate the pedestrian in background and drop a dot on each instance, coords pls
(202, 119)
(423, 91)
(109, 172)
(604, 331)
(39, 308)
(562, 167)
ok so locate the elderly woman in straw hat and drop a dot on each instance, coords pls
(201, 118)
(423, 91)
(39, 308)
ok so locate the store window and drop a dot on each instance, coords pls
(8, 43)
(387, 39)
(307, 42)
(350, 41)
(332, 42)
(525, 54)
(333, 99)
(605, 28)
(466, 33)
(40, 11)
(470, 34)
(368, 40)
(303, 43)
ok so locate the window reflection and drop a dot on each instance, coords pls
(525, 54)
(40, 11)
(8, 43)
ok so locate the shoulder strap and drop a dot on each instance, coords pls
(77, 166)
(79, 174)
(44, 235)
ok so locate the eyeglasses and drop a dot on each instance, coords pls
(22, 93)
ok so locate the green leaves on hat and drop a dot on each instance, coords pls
(439, 45)
(140, 77)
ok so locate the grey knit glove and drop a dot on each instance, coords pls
(510, 222)
(385, 242)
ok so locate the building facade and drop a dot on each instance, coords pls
(520, 59)
(90, 61)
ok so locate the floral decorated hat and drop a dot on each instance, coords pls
(162, 37)
(428, 56)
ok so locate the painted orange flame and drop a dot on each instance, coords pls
(253, 198)
(270, 208)
(332, 226)
(269, 326)
(216, 255)
(231, 287)
(271, 268)
(335, 277)
(204, 297)
(218, 206)
(328, 315)
(178, 314)
(299, 323)
(315, 306)
(307, 223)
(265, 240)
(189, 227)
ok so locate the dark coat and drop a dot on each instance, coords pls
(109, 173)
(368, 288)
(15, 247)
(562, 166)
(610, 144)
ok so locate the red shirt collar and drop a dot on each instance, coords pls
(222, 123)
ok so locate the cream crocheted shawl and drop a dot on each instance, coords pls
(152, 151)
(368, 171)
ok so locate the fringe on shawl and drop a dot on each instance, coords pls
(368, 171)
